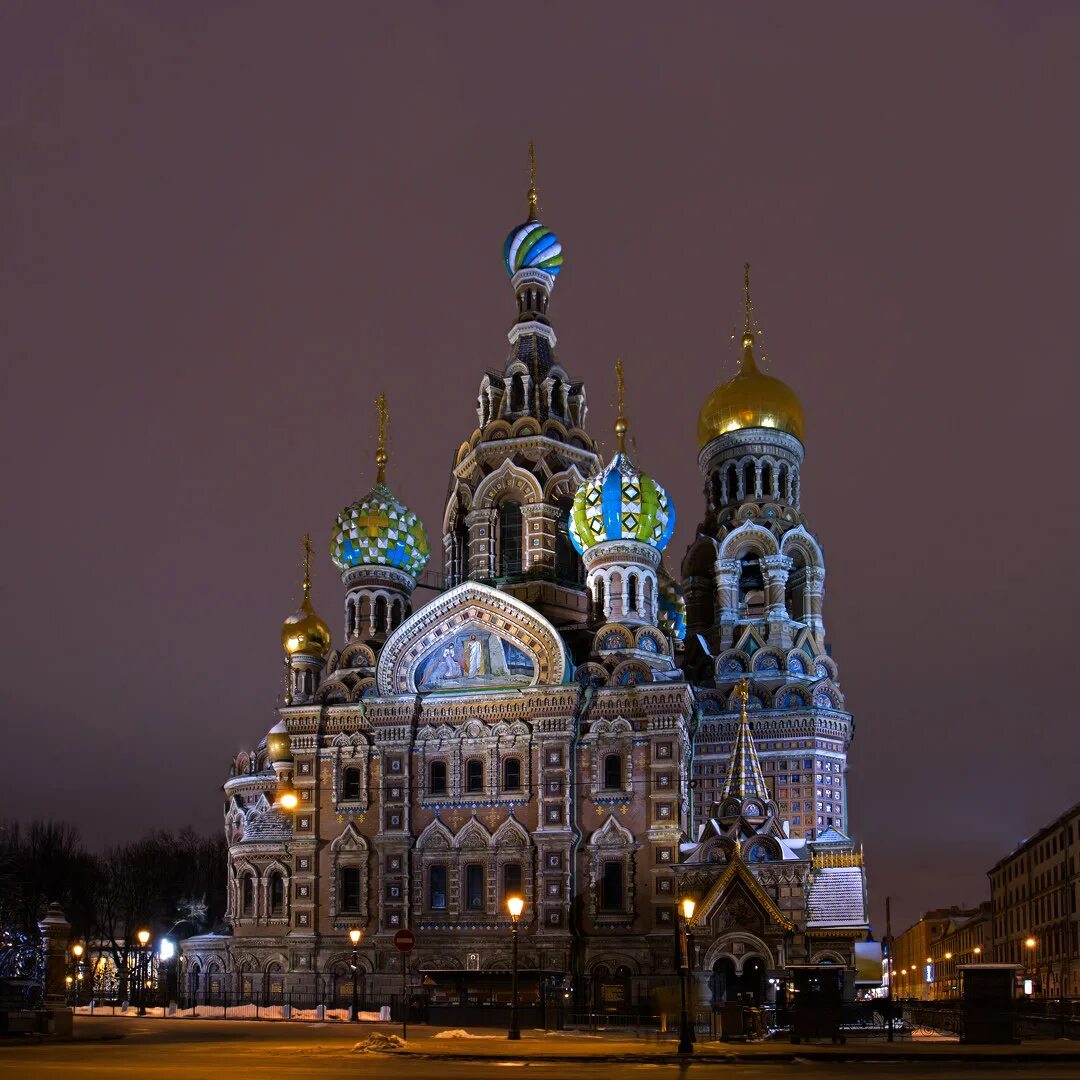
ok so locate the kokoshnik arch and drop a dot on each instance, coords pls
(567, 719)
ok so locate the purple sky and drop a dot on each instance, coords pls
(224, 228)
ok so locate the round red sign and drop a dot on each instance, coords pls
(404, 940)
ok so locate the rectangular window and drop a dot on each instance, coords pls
(350, 889)
(474, 887)
(611, 887)
(474, 775)
(437, 888)
(512, 880)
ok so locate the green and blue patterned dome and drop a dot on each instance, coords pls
(670, 605)
(532, 245)
(377, 530)
(621, 503)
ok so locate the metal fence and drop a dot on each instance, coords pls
(287, 1006)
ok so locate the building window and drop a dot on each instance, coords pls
(568, 564)
(474, 887)
(512, 774)
(437, 888)
(247, 895)
(512, 880)
(474, 775)
(631, 592)
(613, 772)
(350, 785)
(509, 539)
(611, 887)
(437, 778)
(350, 889)
(277, 894)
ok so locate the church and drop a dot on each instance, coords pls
(571, 718)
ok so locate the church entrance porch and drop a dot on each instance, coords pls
(746, 986)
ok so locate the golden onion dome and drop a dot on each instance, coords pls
(750, 400)
(278, 744)
(303, 631)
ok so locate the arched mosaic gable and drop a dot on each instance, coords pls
(434, 648)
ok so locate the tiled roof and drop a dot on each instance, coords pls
(836, 897)
(273, 825)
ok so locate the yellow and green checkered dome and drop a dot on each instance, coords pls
(621, 503)
(378, 531)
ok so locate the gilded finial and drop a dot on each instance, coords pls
(307, 564)
(534, 198)
(288, 682)
(742, 692)
(750, 327)
(381, 456)
(621, 423)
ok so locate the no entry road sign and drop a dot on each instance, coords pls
(404, 940)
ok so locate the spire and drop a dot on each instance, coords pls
(621, 423)
(307, 568)
(534, 198)
(745, 779)
(750, 327)
(384, 422)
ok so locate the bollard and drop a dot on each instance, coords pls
(56, 933)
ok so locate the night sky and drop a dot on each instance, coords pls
(225, 228)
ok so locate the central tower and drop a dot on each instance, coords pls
(507, 520)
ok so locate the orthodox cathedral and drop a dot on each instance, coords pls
(566, 720)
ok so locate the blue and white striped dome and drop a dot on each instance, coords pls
(532, 245)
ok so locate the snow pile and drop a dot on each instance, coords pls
(378, 1043)
(461, 1033)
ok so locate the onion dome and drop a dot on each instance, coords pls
(751, 399)
(303, 631)
(621, 502)
(670, 605)
(377, 530)
(278, 746)
(532, 245)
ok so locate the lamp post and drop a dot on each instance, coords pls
(515, 905)
(143, 937)
(354, 936)
(686, 1034)
(77, 952)
(1031, 945)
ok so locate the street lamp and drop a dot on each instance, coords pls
(515, 905)
(288, 799)
(978, 950)
(686, 1034)
(77, 951)
(143, 937)
(354, 936)
(1030, 944)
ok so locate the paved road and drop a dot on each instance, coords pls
(195, 1050)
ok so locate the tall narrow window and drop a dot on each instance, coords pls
(474, 775)
(613, 772)
(247, 895)
(350, 785)
(749, 480)
(437, 888)
(611, 887)
(509, 539)
(631, 593)
(512, 880)
(380, 615)
(568, 565)
(474, 887)
(437, 778)
(277, 894)
(512, 774)
(350, 889)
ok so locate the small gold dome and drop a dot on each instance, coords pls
(750, 400)
(305, 632)
(278, 744)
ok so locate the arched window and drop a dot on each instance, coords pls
(601, 599)
(613, 772)
(568, 564)
(350, 890)
(437, 888)
(350, 619)
(509, 539)
(277, 894)
(782, 481)
(350, 785)
(247, 895)
(517, 394)
(732, 477)
(364, 616)
(474, 775)
(631, 592)
(512, 774)
(460, 569)
(612, 894)
(749, 480)
(512, 880)
(767, 480)
(437, 778)
(474, 887)
(751, 587)
(380, 615)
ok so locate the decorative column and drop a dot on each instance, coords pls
(813, 599)
(727, 591)
(776, 569)
(481, 526)
(55, 935)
